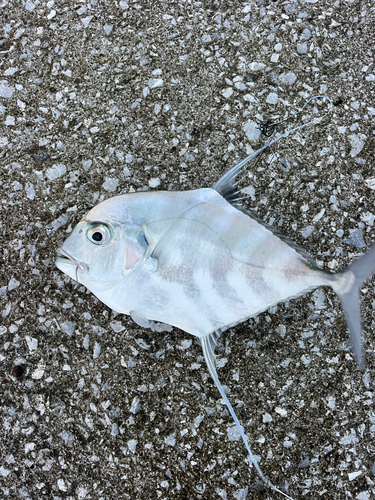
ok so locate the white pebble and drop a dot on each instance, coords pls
(227, 92)
(30, 191)
(97, 350)
(81, 10)
(86, 164)
(55, 171)
(198, 420)
(272, 98)
(281, 411)
(281, 330)
(331, 402)
(13, 283)
(155, 82)
(154, 182)
(171, 439)
(319, 215)
(306, 360)
(30, 6)
(39, 371)
(302, 48)
(4, 472)
(117, 326)
(241, 494)
(255, 66)
(31, 343)
(29, 447)
(363, 495)
(68, 327)
(19, 33)
(5, 90)
(233, 434)
(251, 130)
(370, 183)
(353, 475)
(86, 342)
(59, 222)
(357, 141)
(110, 184)
(61, 485)
(132, 444)
(288, 78)
(349, 439)
(135, 406)
(108, 28)
(86, 21)
(10, 71)
(307, 231)
(249, 98)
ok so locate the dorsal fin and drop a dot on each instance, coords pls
(282, 237)
(227, 184)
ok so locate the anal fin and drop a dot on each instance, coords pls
(208, 344)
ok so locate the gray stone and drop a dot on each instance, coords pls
(68, 327)
(306, 34)
(288, 78)
(355, 239)
(56, 171)
(302, 48)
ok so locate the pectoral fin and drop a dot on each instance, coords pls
(140, 320)
(155, 326)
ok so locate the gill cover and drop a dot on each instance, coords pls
(136, 247)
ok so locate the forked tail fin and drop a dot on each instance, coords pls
(208, 345)
(346, 284)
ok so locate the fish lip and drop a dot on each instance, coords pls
(64, 256)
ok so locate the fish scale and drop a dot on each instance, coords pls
(198, 261)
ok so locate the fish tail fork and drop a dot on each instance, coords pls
(346, 284)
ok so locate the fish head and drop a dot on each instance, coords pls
(104, 247)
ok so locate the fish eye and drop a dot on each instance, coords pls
(99, 234)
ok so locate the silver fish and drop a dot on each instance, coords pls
(198, 261)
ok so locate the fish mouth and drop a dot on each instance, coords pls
(63, 257)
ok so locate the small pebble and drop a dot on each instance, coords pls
(18, 371)
(355, 239)
(288, 78)
(272, 98)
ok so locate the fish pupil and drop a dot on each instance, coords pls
(97, 236)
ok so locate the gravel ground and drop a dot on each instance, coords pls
(103, 98)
